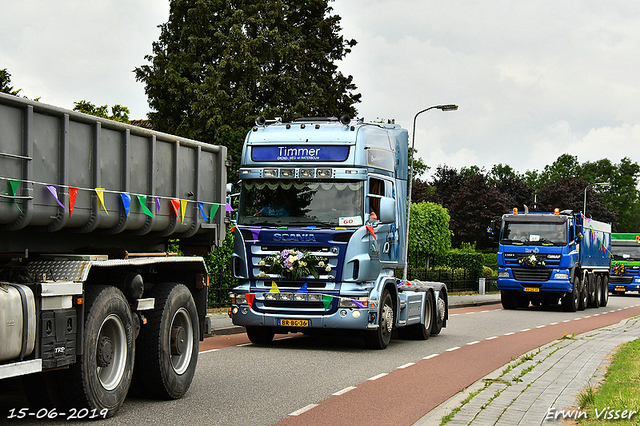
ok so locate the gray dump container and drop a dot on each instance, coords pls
(172, 187)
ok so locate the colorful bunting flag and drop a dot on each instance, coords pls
(126, 202)
(370, 230)
(142, 199)
(250, 298)
(100, 193)
(73, 193)
(326, 301)
(255, 234)
(303, 289)
(175, 203)
(183, 209)
(359, 304)
(229, 208)
(213, 211)
(274, 288)
(13, 187)
(201, 207)
(157, 205)
(53, 189)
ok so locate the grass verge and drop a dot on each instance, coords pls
(619, 391)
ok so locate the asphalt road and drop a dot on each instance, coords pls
(336, 380)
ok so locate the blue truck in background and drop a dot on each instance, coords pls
(321, 227)
(544, 258)
(625, 266)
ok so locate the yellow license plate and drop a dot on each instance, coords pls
(532, 289)
(293, 323)
(621, 288)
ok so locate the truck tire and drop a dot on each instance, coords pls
(570, 300)
(380, 338)
(440, 314)
(167, 348)
(423, 331)
(597, 291)
(260, 335)
(509, 299)
(583, 301)
(101, 378)
(604, 298)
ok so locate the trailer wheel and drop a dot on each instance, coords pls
(604, 298)
(570, 300)
(423, 331)
(380, 338)
(440, 315)
(167, 351)
(597, 291)
(583, 302)
(260, 335)
(509, 299)
(100, 379)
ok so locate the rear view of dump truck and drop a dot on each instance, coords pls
(90, 303)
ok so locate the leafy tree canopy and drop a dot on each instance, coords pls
(5, 83)
(220, 63)
(429, 233)
(118, 112)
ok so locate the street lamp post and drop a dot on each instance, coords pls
(413, 141)
(584, 206)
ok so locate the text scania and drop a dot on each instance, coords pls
(294, 237)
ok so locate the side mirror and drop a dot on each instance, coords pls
(494, 229)
(387, 210)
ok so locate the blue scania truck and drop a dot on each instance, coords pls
(544, 258)
(321, 228)
(625, 266)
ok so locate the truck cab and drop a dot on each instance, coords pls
(547, 257)
(625, 265)
(333, 194)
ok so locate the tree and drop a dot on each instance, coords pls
(5, 83)
(568, 194)
(118, 112)
(621, 196)
(219, 63)
(429, 233)
(513, 185)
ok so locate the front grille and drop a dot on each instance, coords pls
(532, 274)
(616, 279)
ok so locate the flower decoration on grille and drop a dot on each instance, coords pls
(294, 264)
(618, 268)
(531, 261)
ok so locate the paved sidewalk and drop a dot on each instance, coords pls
(533, 389)
(220, 323)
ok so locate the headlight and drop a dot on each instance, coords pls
(239, 299)
(315, 297)
(636, 280)
(300, 297)
(503, 274)
(561, 276)
(362, 302)
(286, 296)
(270, 296)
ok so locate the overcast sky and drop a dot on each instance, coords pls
(533, 79)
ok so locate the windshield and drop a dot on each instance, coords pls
(546, 233)
(626, 252)
(297, 203)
